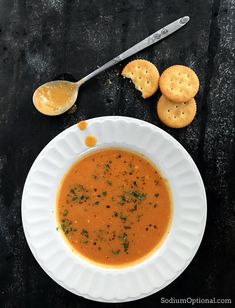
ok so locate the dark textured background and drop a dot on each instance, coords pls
(40, 40)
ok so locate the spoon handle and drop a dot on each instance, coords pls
(153, 38)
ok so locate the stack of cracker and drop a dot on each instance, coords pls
(177, 107)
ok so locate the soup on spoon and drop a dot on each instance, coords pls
(55, 97)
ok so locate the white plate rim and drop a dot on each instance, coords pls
(199, 238)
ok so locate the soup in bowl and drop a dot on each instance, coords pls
(114, 207)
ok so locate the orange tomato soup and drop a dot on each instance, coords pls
(114, 207)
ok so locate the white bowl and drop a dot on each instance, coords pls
(87, 279)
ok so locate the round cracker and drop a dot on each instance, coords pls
(144, 75)
(176, 115)
(179, 83)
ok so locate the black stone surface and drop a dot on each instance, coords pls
(40, 40)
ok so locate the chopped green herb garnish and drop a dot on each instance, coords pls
(125, 246)
(156, 195)
(72, 191)
(138, 216)
(114, 214)
(134, 208)
(95, 177)
(125, 243)
(116, 252)
(80, 198)
(104, 193)
(138, 195)
(122, 199)
(131, 165)
(123, 217)
(76, 198)
(85, 233)
(66, 226)
(81, 187)
(106, 167)
(109, 183)
(65, 213)
(123, 236)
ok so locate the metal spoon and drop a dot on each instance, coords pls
(56, 97)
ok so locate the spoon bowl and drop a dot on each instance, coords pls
(55, 97)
